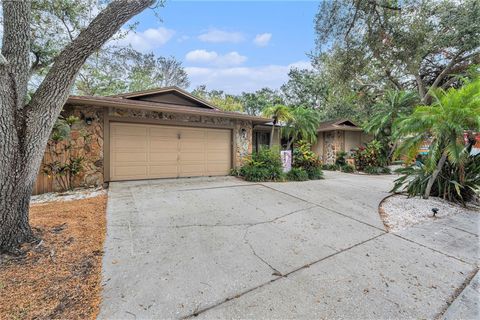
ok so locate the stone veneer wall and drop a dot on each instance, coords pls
(145, 114)
(334, 142)
(243, 141)
(87, 141)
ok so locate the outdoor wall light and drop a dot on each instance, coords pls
(88, 120)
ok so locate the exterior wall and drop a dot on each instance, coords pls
(88, 141)
(242, 139)
(329, 143)
(366, 138)
(353, 140)
(318, 146)
(334, 142)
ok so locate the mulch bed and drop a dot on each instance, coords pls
(58, 278)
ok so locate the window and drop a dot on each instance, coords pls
(261, 139)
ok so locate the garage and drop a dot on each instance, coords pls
(144, 151)
(151, 134)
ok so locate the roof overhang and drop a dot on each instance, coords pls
(159, 107)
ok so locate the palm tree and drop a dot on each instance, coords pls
(279, 113)
(452, 113)
(395, 104)
(302, 124)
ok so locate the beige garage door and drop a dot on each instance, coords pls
(140, 151)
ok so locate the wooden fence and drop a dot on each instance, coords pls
(43, 184)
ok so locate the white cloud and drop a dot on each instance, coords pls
(262, 39)
(237, 79)
(201, 56)
(183, 38)
(146, 40)
(217, 36)
(213, 58)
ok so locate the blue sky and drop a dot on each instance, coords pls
(227, 45)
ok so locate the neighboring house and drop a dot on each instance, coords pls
(336, 136)
(159, 133)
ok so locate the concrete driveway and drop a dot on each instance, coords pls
(224, 248)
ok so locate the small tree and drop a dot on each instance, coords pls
(302, 124)
(452, 113)
(393, 105)
(279, 113)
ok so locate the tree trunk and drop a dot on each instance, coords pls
(25, 128)
(271, 136)
(434, 176)
(391, 152)
(15, 228)
(289, 143)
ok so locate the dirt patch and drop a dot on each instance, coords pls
(59, 278)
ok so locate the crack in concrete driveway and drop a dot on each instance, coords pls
(223, 248)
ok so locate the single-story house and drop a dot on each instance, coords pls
(158, 133)
(336, 136)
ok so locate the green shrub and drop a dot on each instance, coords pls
(452, 183)
(256, 173)
(341, 160)
(306, 159)
(376, 170)
(235, 172)
(329, 167)
(347, 168)
(371, 155)
(264, 165)
(297, 174)
(314, 173)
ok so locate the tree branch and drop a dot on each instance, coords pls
(354, 19)
(442, 75)
(395, 82)
(421, 88)
(3, 60)
(384, 6)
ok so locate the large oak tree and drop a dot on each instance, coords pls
(26, 120)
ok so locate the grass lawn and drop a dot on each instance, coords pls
(60, 276)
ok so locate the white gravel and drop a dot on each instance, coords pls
(76, 194)
(400, 212)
